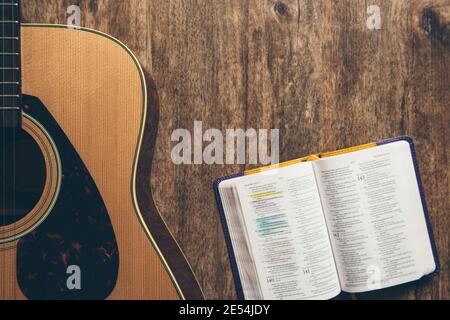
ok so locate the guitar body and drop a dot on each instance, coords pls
(81, 223)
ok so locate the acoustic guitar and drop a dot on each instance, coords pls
(78, 124)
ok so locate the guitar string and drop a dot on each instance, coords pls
(13, 145)
(3, 179)
(5, 135)
(16, 30)
(19, 92)
(4, 150)
(4, 115)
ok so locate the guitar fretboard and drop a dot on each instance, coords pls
(10, 75)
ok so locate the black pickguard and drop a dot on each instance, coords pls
(77, 232)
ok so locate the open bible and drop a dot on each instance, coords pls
(354, 220)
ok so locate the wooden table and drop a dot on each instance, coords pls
(311, 68)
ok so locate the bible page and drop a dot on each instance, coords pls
(288, 235)
(375, 217)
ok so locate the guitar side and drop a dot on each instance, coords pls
(96, 91)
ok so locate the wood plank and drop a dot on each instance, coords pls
(310, 68)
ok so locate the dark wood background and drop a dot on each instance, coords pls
(310, 68)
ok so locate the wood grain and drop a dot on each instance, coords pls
(9, 289)
(310, 68)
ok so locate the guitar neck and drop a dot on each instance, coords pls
(10, 66)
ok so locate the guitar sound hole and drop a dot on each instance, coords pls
(22, 176)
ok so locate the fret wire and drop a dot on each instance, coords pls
(10, 82)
